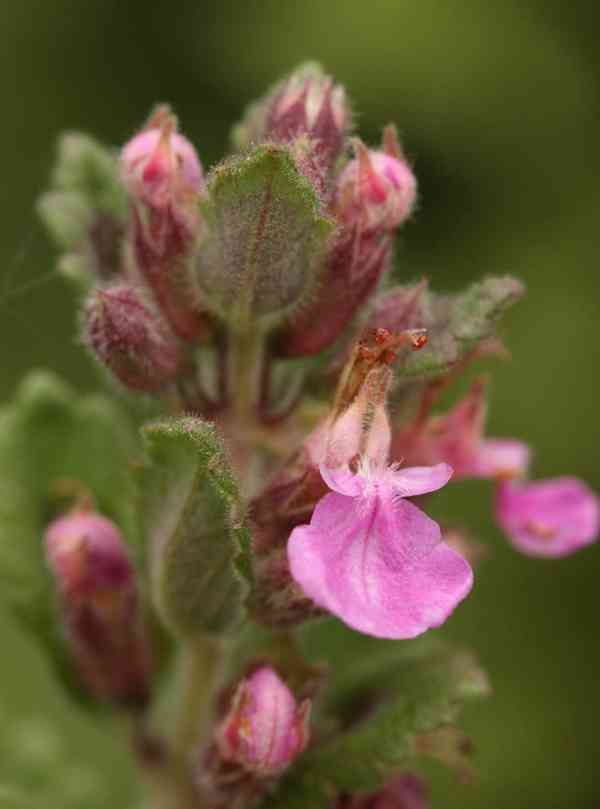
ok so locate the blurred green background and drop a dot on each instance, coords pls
(498, 105)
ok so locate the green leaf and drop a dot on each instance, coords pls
(457, 324)
(85, 209)
(266, 238)
(199, 546)
(51, 440)
(401, 690)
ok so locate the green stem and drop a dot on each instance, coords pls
(172, 785)
(246, 358)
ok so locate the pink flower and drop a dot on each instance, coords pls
(456, 437)
(549, 517)
(374, 559)
(265, 730)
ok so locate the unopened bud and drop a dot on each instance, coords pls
(130, 339)
(406, 791)
(377, 190)
(399, 308)
(96, 584)
(309, 103)
(158, 164)
(265, 730)
(353, 268)
(164, 178)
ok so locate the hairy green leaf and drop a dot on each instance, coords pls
(266, 236)
(199, 546)
(397, 691)
(85, 209)
(457, 324)
(54, 445)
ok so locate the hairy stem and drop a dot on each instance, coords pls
(171, 783)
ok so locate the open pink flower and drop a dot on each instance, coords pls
(374, 559)
(548, 517)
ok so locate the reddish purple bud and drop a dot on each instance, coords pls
(353, 269)
(265, 730)
(310, 104)
(96, 583)
(398, 309)
(548, 517)
(376, 190)
(130, 339)
(407, 791)
(164, 178)
(375, 193)
(159, 164)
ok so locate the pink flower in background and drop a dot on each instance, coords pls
(375, 560)
(457, 437)
(265, 730)
(548, 517)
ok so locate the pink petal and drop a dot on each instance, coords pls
(421, 479)
(379, 565)
(502, 457)
(342, 480)
(550, 517)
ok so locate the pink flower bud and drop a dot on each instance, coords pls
(96, 583)
(376, 190)
(310, 104)
(265, 730)
(164, 178)
(158, 164)
(130, 339)
(548, 517)
(406, 791)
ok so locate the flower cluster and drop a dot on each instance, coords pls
(298, 450)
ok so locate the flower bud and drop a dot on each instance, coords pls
(375, 193)
(96, 585)
(164, 178)
(377, 190)
(265, 730)
(159, 165)
(406, 791)
(353, 268)
(309, 103)
(130, 339)
(548, 517)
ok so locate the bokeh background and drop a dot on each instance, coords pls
(497, 102)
